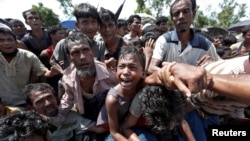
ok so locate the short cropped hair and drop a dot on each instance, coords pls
(86, 10)
(76, 36)
(136, 51)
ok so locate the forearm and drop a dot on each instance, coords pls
(131, 135)
(233, 86)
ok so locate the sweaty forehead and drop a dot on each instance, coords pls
(129, 58)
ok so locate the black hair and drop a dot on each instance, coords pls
(54, 29)
(161, 19)
(245, 29)
(107, 16)
(4, 30)
(20, 125)
(27, 90)
(86, 10)
(32, 11)
(76, 36)
(135, 51)
(150, 28)
(161, 107)
(146, 37)
(121, 23)
(131, 18)
(229, 40)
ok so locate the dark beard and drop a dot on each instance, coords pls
(11, 54)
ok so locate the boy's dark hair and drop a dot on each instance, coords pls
(131, 18)
(121, 23)
(13, 21)
(161, 19)
(26, 92)
(161, 107)
(146, 37)
(54, 29)
(135, 51)
(245, 29)
(7, 31)
(33, 12)
(76, 36)
(229, 40)
(150, 28)
(86, 10)
(17, 126)
(107, 16)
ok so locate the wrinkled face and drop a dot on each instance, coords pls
(33, 20)
(136, 25)
(81, 55)
(44, 102)
(108, 30)
(122, 31)
(182, 15)
(7, 43)
(129, 71)
(18, 28)
(88, 26)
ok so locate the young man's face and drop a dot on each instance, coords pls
(44, 102)
(18, 28)
(129, 71)
(88, 26)
(34, 21)
(108, 30)
(136, 25)
(81, 55)
(7, 43)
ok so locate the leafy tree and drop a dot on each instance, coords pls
(67, 6)
(152, 6)
(228, 14)
(48, 17)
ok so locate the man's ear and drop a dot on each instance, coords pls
(194, 14)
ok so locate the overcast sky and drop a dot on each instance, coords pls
(14, 8)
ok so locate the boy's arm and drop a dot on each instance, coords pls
(127, 125)
(113, 106)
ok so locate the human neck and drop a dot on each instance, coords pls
(9, 56)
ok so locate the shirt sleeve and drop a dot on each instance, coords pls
(160, 48)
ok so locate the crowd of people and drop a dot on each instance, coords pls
(120, 79)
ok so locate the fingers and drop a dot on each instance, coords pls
(182, 87)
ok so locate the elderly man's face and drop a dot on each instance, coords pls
(44, 102)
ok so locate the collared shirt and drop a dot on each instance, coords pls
(73, 95)
(170, 49)
(16, 74)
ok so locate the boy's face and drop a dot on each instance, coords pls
(108, 30)
(122, 31)
(7, 43)
(129, 71)
(88, 26)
